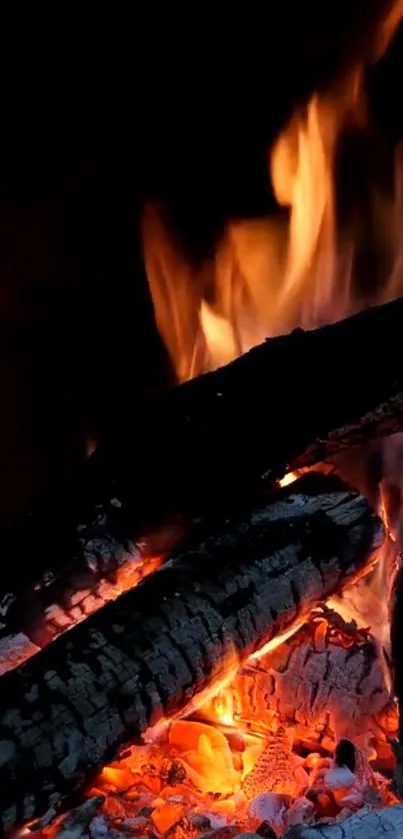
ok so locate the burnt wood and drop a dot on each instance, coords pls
(152, 652)
(366, 824)
(37, 614)
(289, 403)
(326, 681)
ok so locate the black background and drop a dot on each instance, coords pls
(96, 117)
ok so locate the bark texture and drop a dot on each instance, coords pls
(36, 615)
(204, 445)
(150, 653)
(367, 824)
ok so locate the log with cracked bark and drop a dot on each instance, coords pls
(151, 652)
(208, 442)
(100, 563)
(327, 681)
(37, 615)
(366, 824)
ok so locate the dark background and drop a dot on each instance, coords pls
(94, 120)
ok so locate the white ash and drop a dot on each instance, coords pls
(339, 777)
(302, 811)
(367, 824)
(270, 807)
(14, 650)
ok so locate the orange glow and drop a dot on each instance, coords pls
(216, 765)
(269, 276)
(288, 479)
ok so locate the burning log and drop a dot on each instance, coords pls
(326, 681)
(36, 615)
(178, 460)
(152, 651)
(367, 824)
(99, 563)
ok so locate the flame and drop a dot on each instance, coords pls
(214, 765)
(288, 479)
(299, 268)
(267, 276)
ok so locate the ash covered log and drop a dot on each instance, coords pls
(148, 654)
(203, 445)
(367, 824)
(327, 681)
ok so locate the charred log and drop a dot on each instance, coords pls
(99, 564)
(36, 616)
(153, 651)
(367, 824)
(327, 682)
(199, 448)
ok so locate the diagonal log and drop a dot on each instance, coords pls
(289, 403)
(153, 651)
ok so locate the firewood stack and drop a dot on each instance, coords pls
(218, 560)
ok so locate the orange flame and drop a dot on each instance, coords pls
(269, 276)
(272, 275)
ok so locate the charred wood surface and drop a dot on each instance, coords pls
(151, 652)
(37, 615)
(289, 403)
(99, 562)
(327, 681)
(367, 824)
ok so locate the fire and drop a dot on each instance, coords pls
(267, 278)
(288, 479)
(246, 738)
(240, 758)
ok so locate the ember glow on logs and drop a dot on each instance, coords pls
(302, 729)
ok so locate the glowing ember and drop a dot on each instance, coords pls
(288, 479)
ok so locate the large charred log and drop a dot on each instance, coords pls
(202, 446)
(153, 651)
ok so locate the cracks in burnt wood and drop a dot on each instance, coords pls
(96, 667)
